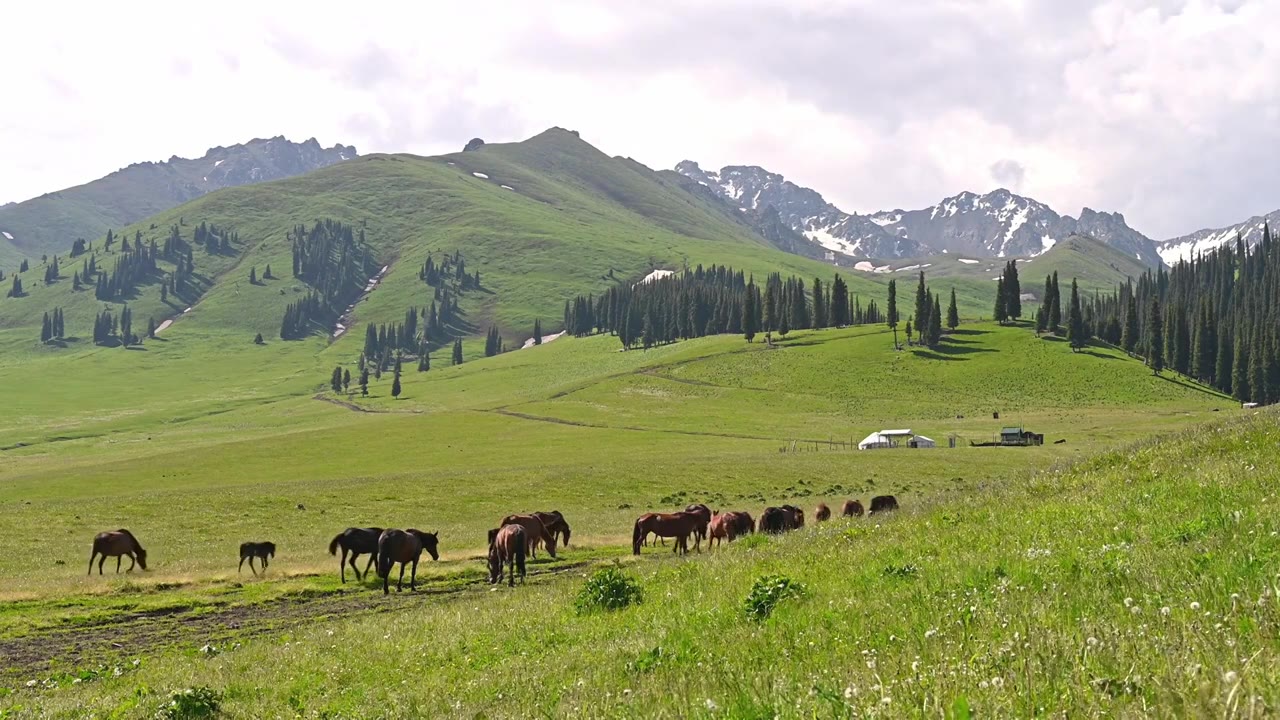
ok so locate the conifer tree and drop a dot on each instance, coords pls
(1075, 320)
(1055, 307)
(266, 274)
(750, 311)
(151, 327)
(908, 333)
(1013, 291)
(891, 316)
(395, 380)
(934, 336)
(46, 329)
(1222, 364)
(335, 380)
(820, 315)
(364, 382)
(537, 332)
(1258, 384)
(953, 312)
(1001, 309)
(1155, 338)
(457, 351)
(346, 380)
(784, 323)
(922, 307)
(257, 339)
(1129, 336)
(253, 276)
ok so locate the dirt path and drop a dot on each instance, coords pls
(125, 637)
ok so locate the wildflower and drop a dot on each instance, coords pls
(930, 633)
(871, 664)
(1092, 641)
(32, 683)
(1135, 609)
(849, 692)
(1128, 602)
(711, 705)
(1230, 677)
(984, 684)
(886, 701)
(997, 682)
(915, 666)
(1195, 607)
(1165, 611)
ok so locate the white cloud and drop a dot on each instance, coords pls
(1165, 112)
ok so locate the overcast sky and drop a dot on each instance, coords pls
(1166, 111)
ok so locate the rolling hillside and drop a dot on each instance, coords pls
(540, 220)
(50, 223)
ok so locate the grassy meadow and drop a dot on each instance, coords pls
(220, 449)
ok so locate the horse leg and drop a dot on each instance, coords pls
(372, 556)
(413, 576)
(118, 559)
(241, 567)
(91, 558)
(251, 568)
(133, 562)
(342, 566)
(400, 582)
(101, 561)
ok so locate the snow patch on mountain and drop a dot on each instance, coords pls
(1188, 247)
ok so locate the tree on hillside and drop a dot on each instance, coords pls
(922, 307)
(908, 333)
(1240, 369)
(151, 327)
(1258, 384)
(751, 310)
(395, 381)
(1222, 364)
(46, 329)
(891, 316)
(346, 380)
(364, 382)
(1055, 307)
(840, 315)
(953, 312)
(16, 290)
(1129, 336)
(1013, 291)
(1155, 338)
(770, 310)
(266, 274)
(1204, 346)
(335, 379)
(784, 323)
(1075, 320)
(457, 351)
(933, 338)
(537, 332)
(257, 340)
(1001, 308)
(253, 276)
(820, 317)
(493, 342)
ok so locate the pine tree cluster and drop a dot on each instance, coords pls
(450, 272)
(214, 239)
(713, 301)
(492, 342)
(131, 269)
(301, 317)
(53, 327)
(335, 261)
(1008, 294)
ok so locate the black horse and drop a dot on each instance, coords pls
(356, 542)
(261, 550)
(883, 503)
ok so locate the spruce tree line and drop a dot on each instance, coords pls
(928, 315)
(53, 327)
(1214, 318)
(492, 342)
(450, 272)
(713, 301)
(1008, 294)
(214, 239)
(132, 268)
(334, 260)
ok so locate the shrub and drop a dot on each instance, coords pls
(768, 591)
(192, 703)
(608, 589)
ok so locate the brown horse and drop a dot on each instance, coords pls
(404, 547)
(703, 514)
(774, 521)
(796, 517)
(507, 546)
(743, 524)
(534, 531)
(720, 529)
(822, 513)
(852, 508)
(119, 543)
(883, 503)
(357, 542)
(556, 525)
(260, 550)
(678, 525)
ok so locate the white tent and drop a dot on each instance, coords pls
(920, 441)
(874, 440)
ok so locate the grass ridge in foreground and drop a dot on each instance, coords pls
(1137, 582)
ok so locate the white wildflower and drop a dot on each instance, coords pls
(1165, 611)
(1230, 677)
(1195, 607)
(711, 705)
(1135, 609)
(1128, 602)
(886, 701)
(849, 692)
(1092, 641)
(32, 683)
(997, 682)
(984, 684)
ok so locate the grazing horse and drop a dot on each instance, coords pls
(556, 525)
(822, 513)
(743, 524)
(119, 543)
(883, 503)
(535, 533)
(678, 525)
(720, 529)
(795, 517)
(774, 521)
(852, 508)
(404, 547)
(703, 515)
(507, 546)
(357, 542)
(260, 550)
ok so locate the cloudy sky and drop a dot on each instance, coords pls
(1166, 111)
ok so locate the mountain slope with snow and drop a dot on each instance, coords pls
(997, 224)
(1187, 247)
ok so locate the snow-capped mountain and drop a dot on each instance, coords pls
(997, 224)
(1188, 247)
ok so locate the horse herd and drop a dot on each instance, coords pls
(703, 523)
(516, 538)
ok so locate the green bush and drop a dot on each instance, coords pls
(608, 589)
(192, 703)
(768, 591)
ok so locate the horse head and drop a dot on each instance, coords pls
(142, 558)
(431, 543)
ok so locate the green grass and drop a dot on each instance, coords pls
(1133, 582)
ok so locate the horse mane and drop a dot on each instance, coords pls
(137, 546)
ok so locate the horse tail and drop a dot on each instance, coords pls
(333, 544)
(637, 536)
(519, 558)
(384, 557)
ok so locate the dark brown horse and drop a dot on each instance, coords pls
(796, 517)
(743, 524)
(507, 546)
(774, 521)
(678, 525)
(404, 547)
(556, 525)
(535, 533)
(119, 543)
(852, 508)
(356, 542)
(703, 515)
(822, 513)
(261, 550)
(883, 503)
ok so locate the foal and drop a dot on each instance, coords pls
(261, 550)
